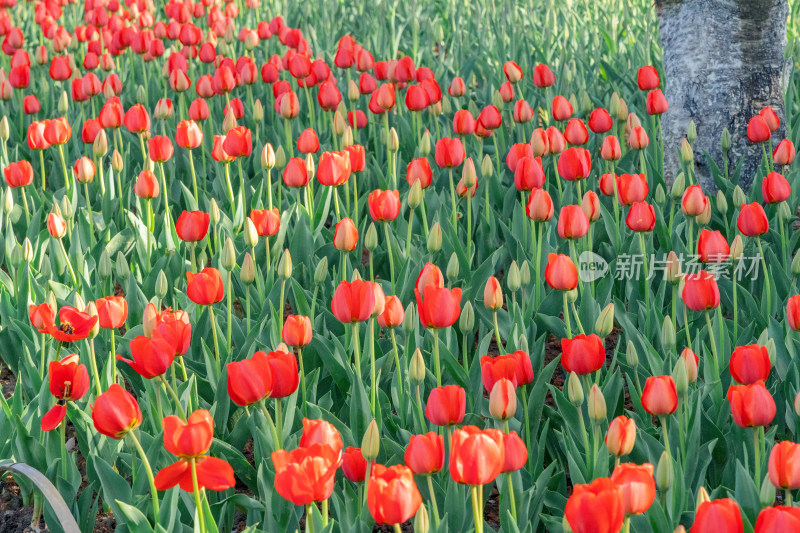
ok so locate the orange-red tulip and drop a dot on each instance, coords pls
(718, 516)
(116, 412)
(205, 287)
(583, 354)
(598, 507)
(638, 486)
(446, 405)
(749, 364)
(660, 397)
(751, 405)
(392, 494)
(784, 465)
(477, 456)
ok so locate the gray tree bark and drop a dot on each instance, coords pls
(724, 61)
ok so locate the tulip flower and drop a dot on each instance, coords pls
(778, 519)
(306, 474)
(543, 77)
(717, 516)
(638, 486)
(575, 133)
(446, 405)
(68, 380)
(757, 130)
(749, 364)
(751, 405)
(600, 121)
(572, 223)
(250, 381)
(392, 495)
(775, 188)
(598, 507)
(784, 467)
(73, 325)
(647, 78)
(656, 102)
(354, 466)
(700, 291)
(574, 164)
(784, 153)
(583, 354)
(116, 413)
(621, 437)
(752, 221)
(712, 247)
(792, 313)
(424, 454)
(438, 308)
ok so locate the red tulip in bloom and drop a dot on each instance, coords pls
(84, 170)
(540, 143)
(641, 217)
(267, 222)
(621, 436)
(701, 292)
(600, 120)
(660, 397)
(112, 311)
(771, 118)
(18, 174)
(329, 96)
(151, 357)
(757, 130)
(638, 486)
(198, 110)
(192, 226)
(416, 98)
(357, 158)
(429, 275)
(750, 364)
(515, 367)
(784, 153)
(449, 152)
(648, 78)
(575, 133)
(446, 405)
(489, 118)
(357, 119)
(136, 119)
(306, 474)
(438, 307)
(205, 287)
(543, 76)
(561, 273)
(516, 153)
(73, 325)
(632, 188)
(56, 226)
(190, 441)
(712, 247)
(752, 220)
(295, 174)
(283, 366)
(57, 131)
(778, 520)
(656, 103)
(512, 71)
(353, 301)
(68, 381)
(354, 466)
(393, 313)
(188, 134)
(555, 140)
(297, 330)
(718, 516)
(425, 453)
(463, 122)
(540, 206)
(161, 148)
(345, 237)
(562, 109)
(775, 188)
(320, 432)
(583, 354)
(457, 87)
(572, 222)
(392, 494)
(793, 312)
(515, 452)
(596, 508)
(174, 328)
(41, 316)
(31, 105)
(146, 185)
(90, 130)
(574, 164)
(384, 206)
(249, 380)
(523, 112)
(308, 142)
(60, 68)
(116, 412)
(477, 456)
(751, 405)
(638, 139)
(607, 182)
(694, 202)
(238, 142)
(35, 138)
(784, 465)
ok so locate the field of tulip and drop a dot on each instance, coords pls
(344, 267)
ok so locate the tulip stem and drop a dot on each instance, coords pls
(229, 325)
(497, 332)
(63, 433)
(767, 287)
(626, 526)
(787, 497)
(423, 425)
(214, 333)
(197, 499)
(174, 395)
(397, 364)
(69, 263)
(41, 165)
(713, 343)
(469, 228)
(357, 350)
(287, 129)
(391, 255)
(566, 314)
(194, 175)
(615, 201)
(271, 423)
(302, 377)
(309, 519)
(424, 215)
(511, 499)
(230, 188)
(434, 506)
(63, 166)
(166, 195)
(147, 246)
(645, 282)
(269, 188)
(373, 385)
(408, 233)
(665, 433)
(757, 456)
(279, 419)
(577, 319)
(149, 472)
(436, 357)
(113, 359)
(452, 198)
(585, 435)
(396, 528)
(95, 374)
(44, 356)
(476, 506)
(539, 246)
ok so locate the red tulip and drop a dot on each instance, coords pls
(41, 316)
(267, 222)
(68, 380)
(718, 516)
(429, 275)
(529, 174)
(306, 475)
(574, 164)
(701, 292)
(638, 139)
(205, 287)
(656, 103)
(540, 143)
(598, 507)
(31, 105)
(35, 137)
(249, 381)
(449, 152)
(295, 174)
(632, 188)
(489, 118)
(572, 222)
(555, 140)
(540, 206)
(543, 76)
(712, 247)
(151, 357)
(192, 226)
(334, 168)
(189, 135)
(393, 313)
(575, 133)
(515, 367)
(136, 119)
(73, 325)
(457, 87)
(354, 466)
(60, 68)
(600, 121)
(561, 273)
(238, 142)
(784, 465)
(425, 453)
(752, 220)
(793, 312)
(392, 495)
(297, 330)
(353, 301)
(523, 112)
(285, 376)
(438, 307)
(57, 131)
(477, 456)
(516, 153)
(775, 188)
(784, 153)
(329, 96)
(751, 405)
(416, 98)
(660, 397)
(161, 148)
(778, 519)
(116, 412)
(18, 174)
(694, 202)
(174, 328)
(384, 206)
(562, 109)
(308, 143)
(583, 354)
(641, 217)
(112, 311)
(621, 436)
(771, 118)
(446, 405)
(146, 185)
(515, 452)
(320, 432)
(345, 237)
(750, 364)
(648, 78)
(591, 205)
(419, 169)
(638, 486)
(757, 130)
(357, 158)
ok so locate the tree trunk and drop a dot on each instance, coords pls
(724, 61)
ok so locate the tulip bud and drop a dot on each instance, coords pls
(661, 196)
(435, 238)
(467, 319)
(725, 141)
(285, 265)
(681, 376)
(796, 264)
(116, 161)
(503, 400)
(352, 91)
(486, 167)
(258, 111)
(311, 167)
(347, 136)
(766, 495)
(574, 389)
(280, 157)
(91, 310)
(339, 123)
(737, 247)
(667, 334)
(702, 497)
(15, 255)
(784, 213)
(371, 237)
(422, 523)
(771, 350)
(394, 141)
(228, 259)
(250, 233)
(739, 197)
(605, 321)
(512, 278)
(597, 404)
(100, 144)
(687, 154)
(672, 270)
(8, 201)
(522, 343)
(525, 274)
(613, 105)
(573, 101)
(104, 265)
(425, 143)
(622, 113)
(797, 404)
(66, 208)
(213, 212)
(664, 474)
(763, 338)
(497, 100)
(121, 268)
(371, 443)
(572, 295)
(678, 187)
(440, 107)
(416, 373)
(322, 271)
(268, 157)
(492, 294)
(44, 270)
(247, 274)
(4, 129)
(691, 132)
(410, 318)
(452, 266)
(631, 355)
(161, 285)
(63, 103)
(468, 174)
(27, 250)
(722, 202)
(415, 195)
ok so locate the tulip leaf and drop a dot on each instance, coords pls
(51, 495)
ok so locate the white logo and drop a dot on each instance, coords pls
(591, 266)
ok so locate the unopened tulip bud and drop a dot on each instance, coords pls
(268, 157)
(100, 144)
(63, 103)
(214, 214)
(664, 473)
(416, 372)
(228, 259)
(631, 355)
(678, 187)
(771, 352)
(722, 202)
(280, 157)
(247, 274)
(422, 523)
(380, 300)
(353, 93)
(766, 495)
(574, 389)
(452, 266)
(44, 270)
(425, 143)
(394, 141)
(691, 132)
(763, 338)
(487, 168)
(347, 137)
(672, 270)
(605, 321)
(435, 238)
(311, 166)
(116, 161)
(161, 285)
(66, 208)
(784, 212)
(739, 197)
(202, 259)
(661, 196)
(104, 265)
(522, 343)
(468, 174)
(121, 268)
(796, 264)
(229, 122)
(141, 94)
(622, 112)
(250, 233)
(51, 300)
(415, 195)
(525, 274)
(613, 106)
(597, 404)
(737, 248)
(371, 237)
(497, 100)
(15, 255)
(687, 154)
(572, 295)
(467, 319)
(410, 318)
(725, 141)
(573, 101)
(27, 250)
(371, 443)
(586, 102)
(91, 310)
(492, 294)
(439, 108)
(339, 123)
(797, 404)
(258, 111)
(321, 273)
(702, 497)
(503, 400)
(285, 265)
(681, 376)
(513, 278)
(667, 334)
